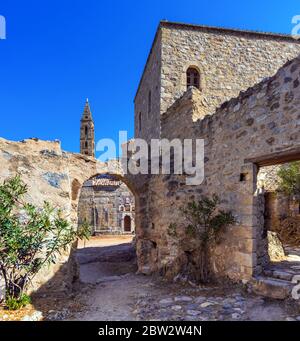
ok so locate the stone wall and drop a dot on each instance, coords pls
(56, 176)
(150, 82)
(267, 178)
(228, 61)
(259, 127)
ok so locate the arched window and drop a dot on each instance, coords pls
(193, 78)
(86, 144)
(86, 131)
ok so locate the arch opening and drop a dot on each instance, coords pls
(107, 205)
(193, 78)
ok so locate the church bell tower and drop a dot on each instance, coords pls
(87, 132)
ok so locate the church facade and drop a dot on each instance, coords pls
(105, 203)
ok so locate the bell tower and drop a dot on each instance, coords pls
(87, 132)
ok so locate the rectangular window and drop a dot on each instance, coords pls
(149, 103)
(140, 121)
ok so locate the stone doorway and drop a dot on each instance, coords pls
(127, 224)
(278, 215)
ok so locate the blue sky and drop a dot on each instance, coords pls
(57, 53)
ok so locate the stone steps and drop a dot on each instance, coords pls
(271, 287)
(279, 274)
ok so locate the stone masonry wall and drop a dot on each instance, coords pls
(260, 124)
(150, 82)
(55, 176)
(228, 61)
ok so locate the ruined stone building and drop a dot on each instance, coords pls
(105, 203)
(237, 90)
(218, 85)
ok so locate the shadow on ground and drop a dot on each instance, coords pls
(87, 267)
(98, 264)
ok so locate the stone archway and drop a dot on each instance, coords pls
(107, 205)
(85, 168)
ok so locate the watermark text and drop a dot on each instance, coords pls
(159, 156)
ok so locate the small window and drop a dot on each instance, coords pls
(244, 177)
(193, 78)
(140, 121)
(86, 144)
(149, 102)
(86, 131)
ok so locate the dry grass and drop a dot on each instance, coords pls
(289, 231)
(7, 315)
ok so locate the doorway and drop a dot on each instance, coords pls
(127, 224)
(279, 237)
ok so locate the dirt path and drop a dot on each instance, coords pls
(110, 290)
(108, 265)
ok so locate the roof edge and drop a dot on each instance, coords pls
(166, 23)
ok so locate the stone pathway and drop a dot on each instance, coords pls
(287, 268)
(202, 306)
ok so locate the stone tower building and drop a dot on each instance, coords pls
(218, 62)
(87, 132)
(218, 85)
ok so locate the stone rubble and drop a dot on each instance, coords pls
(36, 316)
(235, 307)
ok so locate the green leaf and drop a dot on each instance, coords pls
(30, 237)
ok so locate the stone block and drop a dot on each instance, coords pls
(272, 288)
(245, 259)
